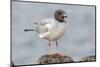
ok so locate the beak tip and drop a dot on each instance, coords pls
(65, 16)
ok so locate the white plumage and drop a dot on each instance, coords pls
(51, 29)
(54, 29)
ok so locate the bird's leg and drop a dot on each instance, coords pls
(50, 52)
(49, 43)
(59, 53)
(56, 47)
(57, 44)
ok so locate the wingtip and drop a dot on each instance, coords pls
(25, 30)
(28, 30)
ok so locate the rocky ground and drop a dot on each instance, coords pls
(88, 59)
(56, 58)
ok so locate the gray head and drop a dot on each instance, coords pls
(60, 16)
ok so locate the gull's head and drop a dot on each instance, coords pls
(60, 15)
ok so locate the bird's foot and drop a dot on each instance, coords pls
(56, 53)
(60, 53)
(51, 53)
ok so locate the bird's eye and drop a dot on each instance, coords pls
(62, 17)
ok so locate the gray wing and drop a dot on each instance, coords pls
(42, 28)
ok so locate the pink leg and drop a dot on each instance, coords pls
(50, 52)
(57, 44)
(59, 53)
(49, 44)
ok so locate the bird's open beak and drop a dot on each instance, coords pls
(65, 16)
(65, 21)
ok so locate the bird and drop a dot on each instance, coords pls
(51, 29)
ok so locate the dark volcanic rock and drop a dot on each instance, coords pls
(88, 59)
(55, 58)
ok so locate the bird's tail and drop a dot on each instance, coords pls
(28, 30)
(36, 26)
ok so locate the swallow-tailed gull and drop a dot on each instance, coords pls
(51, 29)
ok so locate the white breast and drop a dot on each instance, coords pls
(55, 30)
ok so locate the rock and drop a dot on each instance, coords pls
(88, 59)
(55, 58)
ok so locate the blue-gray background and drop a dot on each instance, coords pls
(78, 41)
